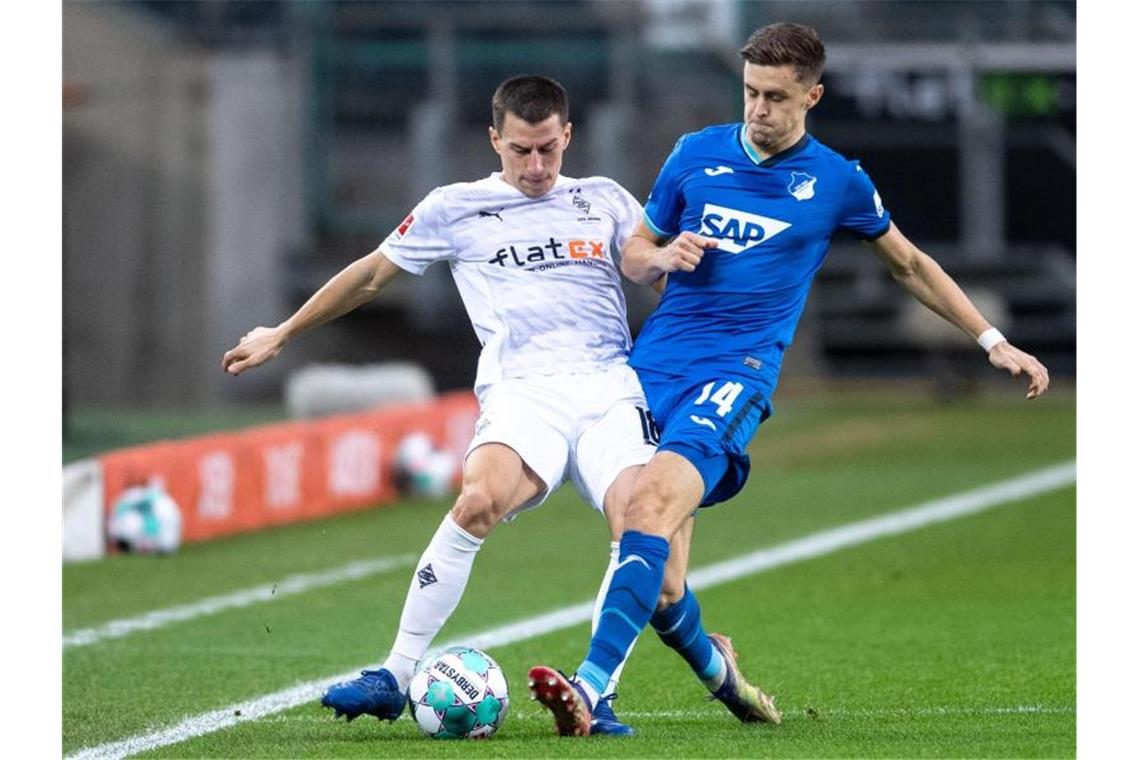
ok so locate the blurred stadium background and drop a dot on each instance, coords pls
(222, 159)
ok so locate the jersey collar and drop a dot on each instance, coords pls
(559, 181)
(786, 153)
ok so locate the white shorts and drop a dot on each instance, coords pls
(583, 427)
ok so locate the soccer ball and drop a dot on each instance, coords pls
(459, 694)
(421, 469)
(145, 520)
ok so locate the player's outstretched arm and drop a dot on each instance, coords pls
(645, 261)
(923, 278)
(354, 285)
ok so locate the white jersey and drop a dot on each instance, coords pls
(538, 276)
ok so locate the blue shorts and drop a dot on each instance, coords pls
(709, 421)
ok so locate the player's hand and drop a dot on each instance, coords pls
(1015, 361)
(685, 251)
(256, 347)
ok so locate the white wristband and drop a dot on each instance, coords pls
(990, 338)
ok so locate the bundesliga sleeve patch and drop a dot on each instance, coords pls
(405, 225)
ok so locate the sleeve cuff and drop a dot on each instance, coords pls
(408, 265)
(656, 230)
(874, 235)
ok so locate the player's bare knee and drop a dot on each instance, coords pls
(475, 509)
(650, 508)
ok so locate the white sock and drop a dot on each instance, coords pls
(437, 585)
(615, 550)
(590, 693)
(717, 680)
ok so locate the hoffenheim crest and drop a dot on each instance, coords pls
(802, 186)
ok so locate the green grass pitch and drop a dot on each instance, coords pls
(954, 640)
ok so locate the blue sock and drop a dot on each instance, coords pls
(627, 607)
(679, 626)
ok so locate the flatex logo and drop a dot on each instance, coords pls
(737, 231)
(552, 251)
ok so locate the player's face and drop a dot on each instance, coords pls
(776, 106)
(531, 153)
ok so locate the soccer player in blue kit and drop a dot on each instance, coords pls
(739, 221)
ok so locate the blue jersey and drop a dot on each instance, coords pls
(773, 220)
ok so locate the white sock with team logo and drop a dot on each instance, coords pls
(615, 548)
(435, 591)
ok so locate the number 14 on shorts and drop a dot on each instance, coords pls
(724, 396)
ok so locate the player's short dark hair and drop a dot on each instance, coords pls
(782, 44)
(532, 98)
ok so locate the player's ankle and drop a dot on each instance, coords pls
(402, 667)
(715, 679)
(592, 694)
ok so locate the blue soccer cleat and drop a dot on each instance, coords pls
(605, 723)
(742, 699)
(376, 692)
(564, 698)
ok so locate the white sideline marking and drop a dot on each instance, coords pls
(830, 712)
(889, 524)
(821, 713)
(814, 545)
(294, 584)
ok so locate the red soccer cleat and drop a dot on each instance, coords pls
(564, 698)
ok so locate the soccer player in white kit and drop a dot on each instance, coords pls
(532, 253)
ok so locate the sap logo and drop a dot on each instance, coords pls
(736, 230)
(552, 250)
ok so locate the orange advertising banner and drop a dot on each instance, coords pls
(246, 480)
